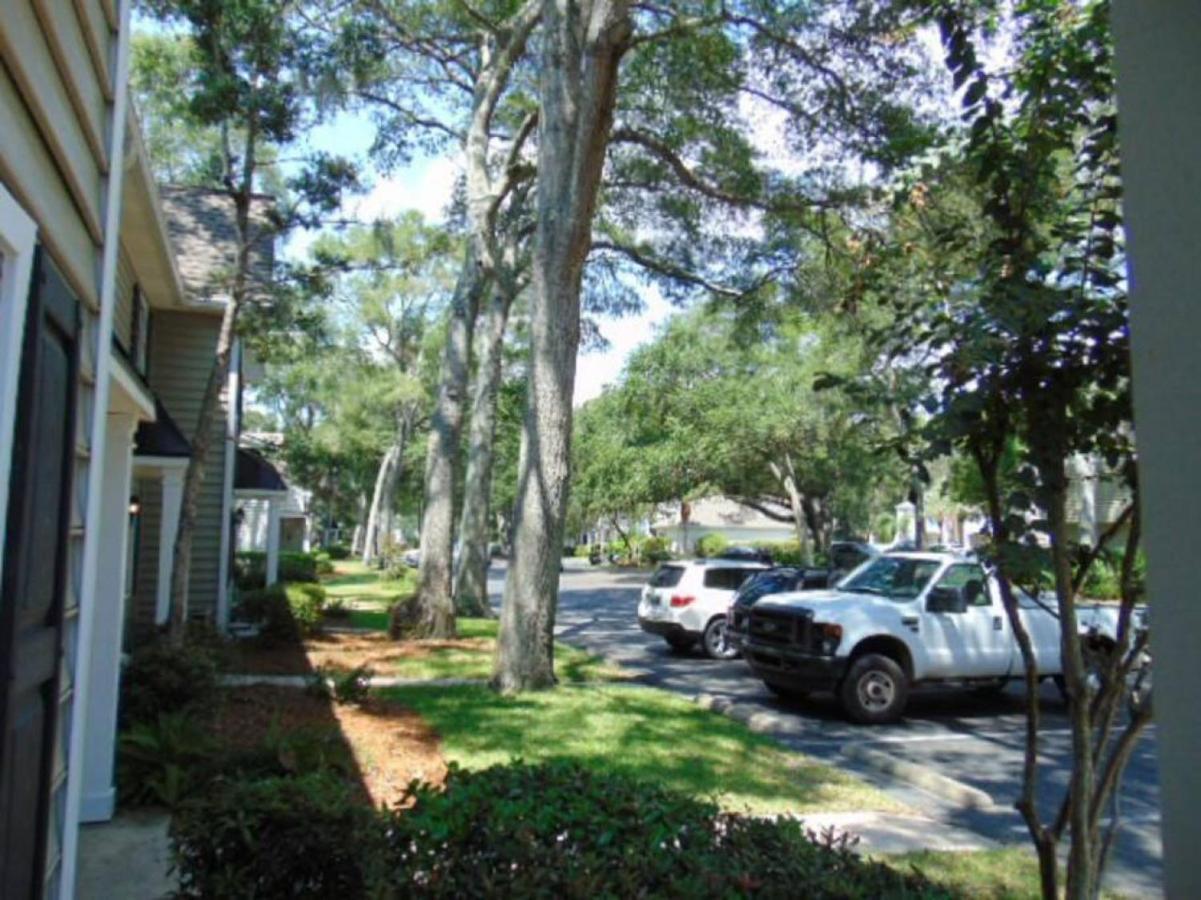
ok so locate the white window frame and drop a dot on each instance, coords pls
(18, 239)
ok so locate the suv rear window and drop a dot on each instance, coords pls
(727, 579)
(667, 576)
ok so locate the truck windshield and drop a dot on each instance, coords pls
(895, 577)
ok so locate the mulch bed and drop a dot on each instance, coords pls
(347, 651)
(389, 744)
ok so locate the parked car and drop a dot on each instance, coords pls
(900, 620)
(687, 602)
(777, 580)
(747, 554)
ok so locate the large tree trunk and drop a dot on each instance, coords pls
(202, 441)
(471, 572)
(583, 41)
(437, 523)
(371, 542)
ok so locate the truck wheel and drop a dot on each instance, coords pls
(679, 643)
(874, 691)
(714, 640)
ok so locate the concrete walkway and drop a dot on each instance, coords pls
(128, 858)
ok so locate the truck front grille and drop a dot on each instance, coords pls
(792, 629)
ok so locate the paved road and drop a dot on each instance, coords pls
(972, 739)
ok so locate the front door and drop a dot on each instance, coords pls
(35, 573)
(968, 642)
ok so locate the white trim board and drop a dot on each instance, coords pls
(18, 238)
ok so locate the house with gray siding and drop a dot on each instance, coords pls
(110, 301)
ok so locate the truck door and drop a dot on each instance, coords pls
(966, 635)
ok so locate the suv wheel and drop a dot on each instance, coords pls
(715, 642)
(874, 691)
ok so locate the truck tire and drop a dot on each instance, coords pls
(874, 691)
(714, 640)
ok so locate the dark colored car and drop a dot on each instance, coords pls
(779, 580)
(745, 554)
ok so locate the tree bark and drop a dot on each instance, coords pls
(210, 404)
(371, 547)
(583, 42)
(471, 572)
(437, 523)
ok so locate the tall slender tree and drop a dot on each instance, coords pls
(246, 82)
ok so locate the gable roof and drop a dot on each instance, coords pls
(203, 228)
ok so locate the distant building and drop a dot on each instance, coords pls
(685, 524)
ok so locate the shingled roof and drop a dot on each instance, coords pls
(204, 236)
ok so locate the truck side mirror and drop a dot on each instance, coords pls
(946, 600)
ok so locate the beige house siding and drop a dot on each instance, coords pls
(57, 68)
(145, 579)
(181, 358)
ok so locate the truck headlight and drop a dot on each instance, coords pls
(830, 635)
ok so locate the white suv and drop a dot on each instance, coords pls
(687, 601)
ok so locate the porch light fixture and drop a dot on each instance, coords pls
(135, 506)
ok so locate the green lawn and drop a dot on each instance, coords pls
(435, 660)
(644, 732)
(353, 582)
(1009, 874)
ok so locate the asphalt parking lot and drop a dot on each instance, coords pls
(974, 740)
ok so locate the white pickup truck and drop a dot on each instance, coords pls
(900, 620)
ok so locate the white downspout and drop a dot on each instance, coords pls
(233, 388)
(92, 516)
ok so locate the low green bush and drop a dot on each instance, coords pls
(250, 568)
(295, 566)
(560, 830)
(283, 611)
(306, 836)
(338, 552)
(711, 545)
(160, 678)
(161, 761)
(655, 549)
(783, 553)
(324, 562)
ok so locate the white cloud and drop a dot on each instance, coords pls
(425, 186)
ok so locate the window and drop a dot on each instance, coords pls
(667, 576)
(727, 579)
(766, 583)
(969, 579)
(895, 577)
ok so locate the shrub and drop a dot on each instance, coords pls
(655, 549)
(298, 567)
(306, 836)
(160, 761)
(338, 552)
(325, 563)
(336, 609)
(783, 553)
(283, 611)
(160, 678)
(250, 569)
(560, 830)
(711, 545)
